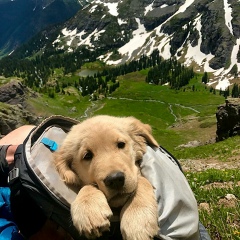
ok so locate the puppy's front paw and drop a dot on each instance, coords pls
(90, 212)
(139, 225)
(139, 216)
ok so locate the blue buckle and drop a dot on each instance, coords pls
(52, 145)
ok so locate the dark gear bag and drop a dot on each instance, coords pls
(36, 192)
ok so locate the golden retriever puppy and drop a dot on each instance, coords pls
(101, 155)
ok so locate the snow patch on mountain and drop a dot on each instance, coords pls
(112, 7)
(139, 38)
(93, 8)
(228, 15)
(184, 6)
(233, 59)
(70, 35)
(223, 84)
(97, 34)
(149, 8)
(121, 21)
(195, 54)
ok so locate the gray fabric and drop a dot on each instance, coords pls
(177, 206)
(40, 159)
(203, 233)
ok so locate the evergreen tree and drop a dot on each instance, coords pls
(235, 91)
(57, 87)
(205, 78)
(226, 92)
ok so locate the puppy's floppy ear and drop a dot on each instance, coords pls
(62, 161)
(141, 134)
(139, 129)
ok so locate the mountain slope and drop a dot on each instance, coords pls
(204, 34)
(22, 19)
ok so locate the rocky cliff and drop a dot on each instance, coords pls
(228, 119)
(13, 106)
(205, 32)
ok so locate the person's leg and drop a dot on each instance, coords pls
(13, 139)
(17, 136)
(8, 146)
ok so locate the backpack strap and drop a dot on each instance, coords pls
(22, 205)
(13, 175)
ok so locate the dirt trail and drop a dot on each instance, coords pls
(204, 164)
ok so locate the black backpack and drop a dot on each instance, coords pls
(37, 193)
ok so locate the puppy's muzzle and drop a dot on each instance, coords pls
(115, 180)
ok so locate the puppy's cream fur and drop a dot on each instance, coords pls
(92, 151)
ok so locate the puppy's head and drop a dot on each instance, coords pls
(104, 151)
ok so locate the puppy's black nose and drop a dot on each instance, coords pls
(115, 180)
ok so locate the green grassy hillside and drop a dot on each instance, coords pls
(176, 116)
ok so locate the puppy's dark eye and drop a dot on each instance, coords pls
(121, 144)
(88, 156)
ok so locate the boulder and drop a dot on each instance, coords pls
(13, 92)
(13, 107)
(228, 119)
